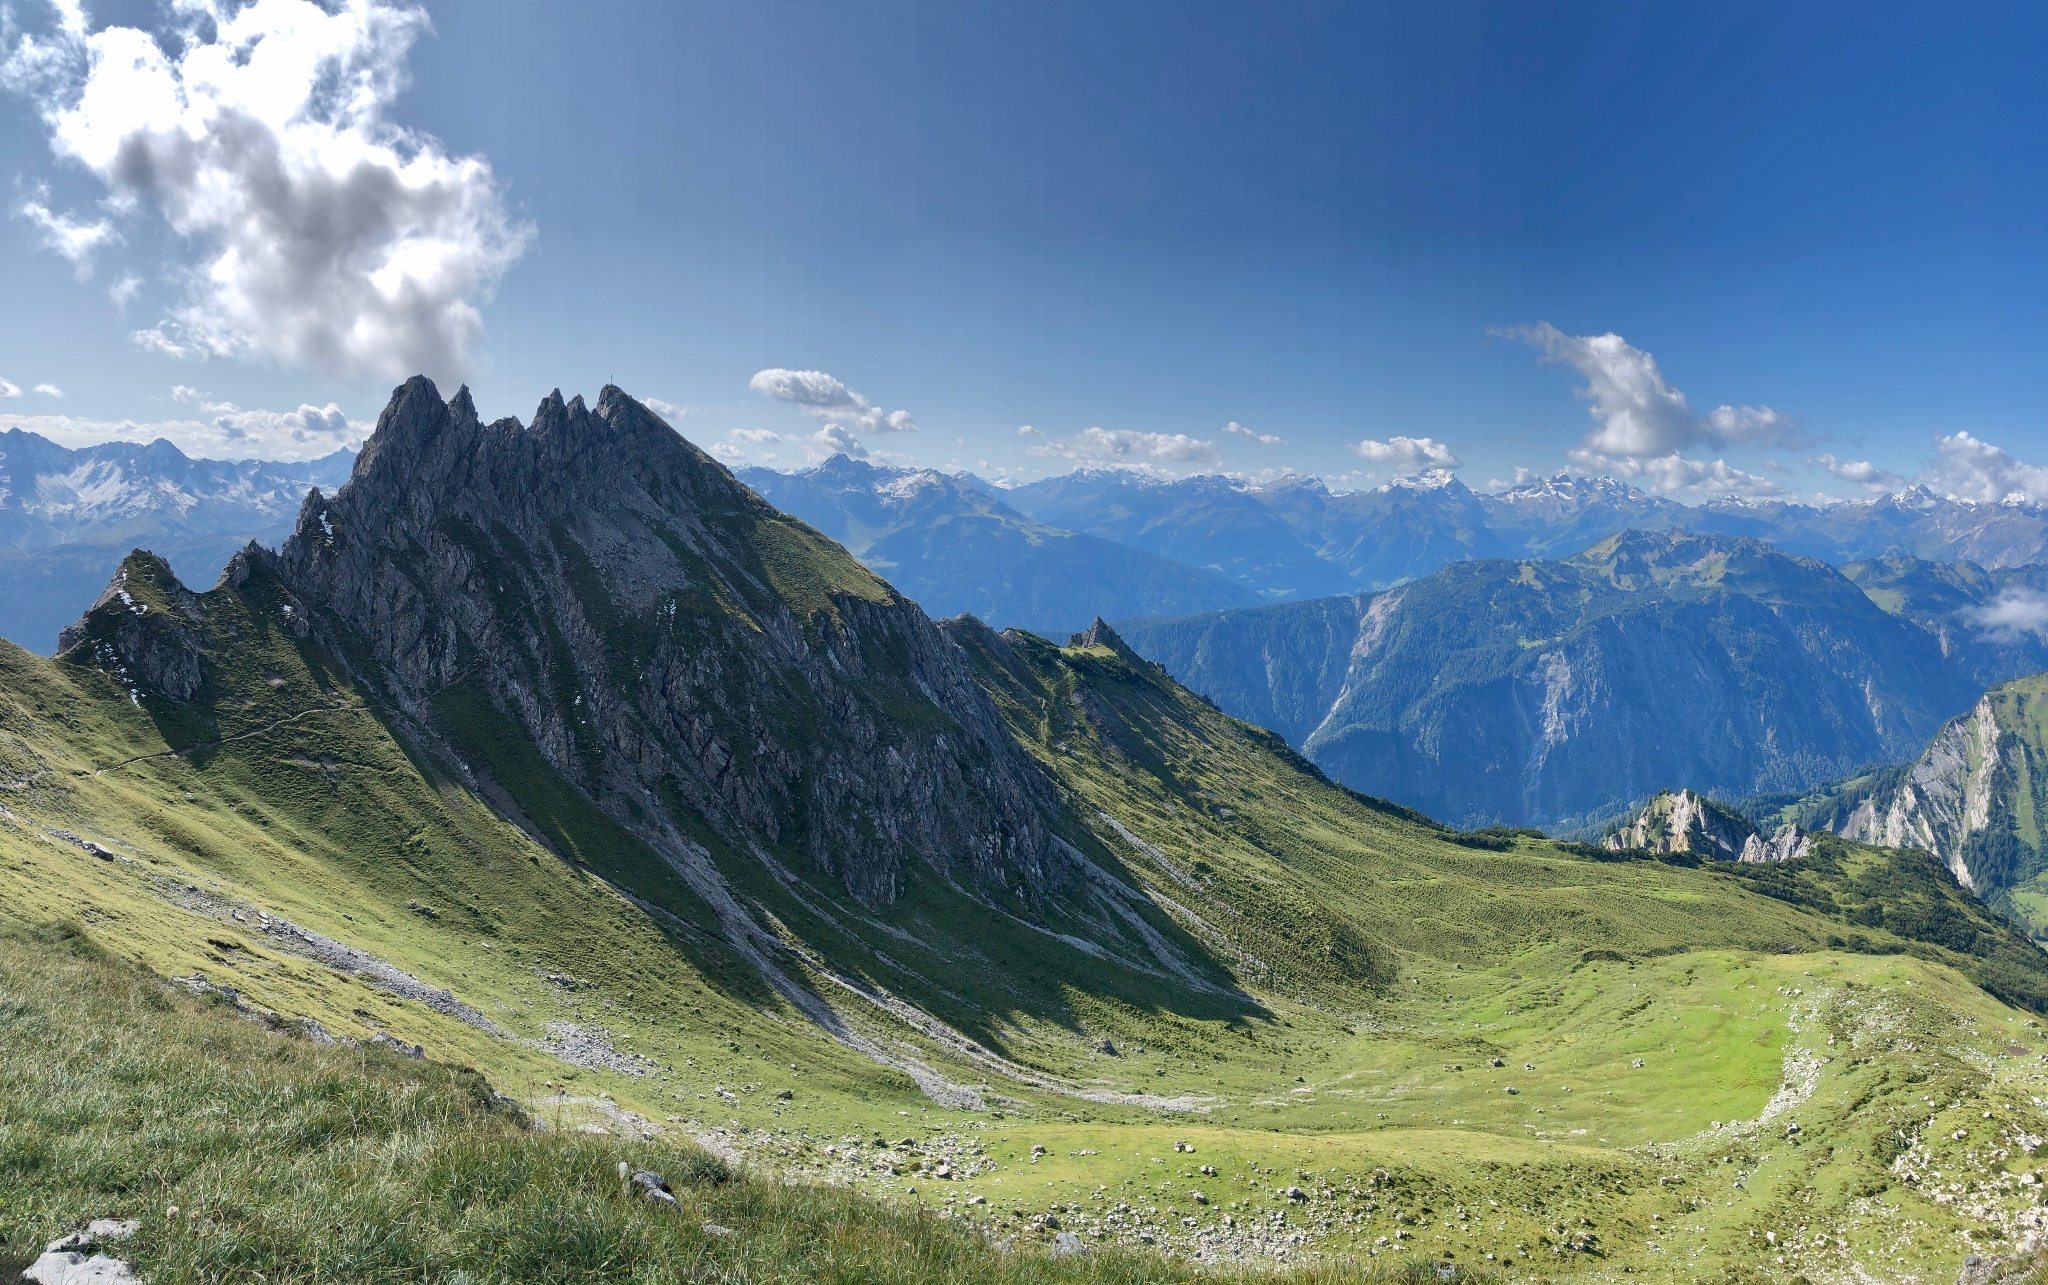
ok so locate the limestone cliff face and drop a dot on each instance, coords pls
(1684, 821)
(1974, 797)
(1943, 800)
(1787, 843)
(671, 643)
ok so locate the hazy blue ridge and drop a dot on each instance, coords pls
(952, 546)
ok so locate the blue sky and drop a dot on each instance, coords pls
(1327, 224)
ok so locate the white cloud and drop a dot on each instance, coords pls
(1970, 468)
(1862, 472)
(330, 236)
(185, 393)
(838, 439)
(76, 241)
(1637, 414)
(1263, 439)
(1129, 446)
(228, 433)
(822, 397)
(1405, 455)
(2015, 612)
(1674, 473)
(1025, 430)
(744, 444)
(1751, 426)
(667, 410)
(123, 292)
(49, 390)
(8, 388)
(1709, 477)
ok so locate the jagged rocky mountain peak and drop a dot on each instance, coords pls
(141, 631)
(1097, 634)
(598, 583)
(1687, 822)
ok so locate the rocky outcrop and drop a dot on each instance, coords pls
(665, 637)
(1787, 843)
(142, 631)
(1684, 821)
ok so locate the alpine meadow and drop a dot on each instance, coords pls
(1151, 646)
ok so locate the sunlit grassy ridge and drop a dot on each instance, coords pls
(1349, 972)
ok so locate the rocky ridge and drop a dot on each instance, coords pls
(661, 632)
(1685, 821)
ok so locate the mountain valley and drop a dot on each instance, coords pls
(553, 751)
(1560, 693)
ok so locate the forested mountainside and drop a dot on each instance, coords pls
(551, 751)
(1559, 693)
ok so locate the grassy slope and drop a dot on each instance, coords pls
(1381, 964)
(247, 1154)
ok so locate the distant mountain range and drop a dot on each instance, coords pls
(68, 516)
(952, 546)
(1047, 556)
(1295, 538)
(1556, 693)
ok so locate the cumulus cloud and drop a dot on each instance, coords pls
(667, 410)
(822, 397)
(1862, 472)
(49, 390)
(186, 393)
(838, 439)
(1263, 439)
(329, 236)
(2014, 613)
(75, 240)
(227, 431)
(123, 292)
(1405, 455)
(1711, 478)
(1025, 430)
(1129, 446)
(1970, 468)
(9, 389)
(754, 436)
(1636, 412)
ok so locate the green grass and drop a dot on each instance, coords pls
(286, 1161)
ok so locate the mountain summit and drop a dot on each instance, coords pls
(662, 634)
